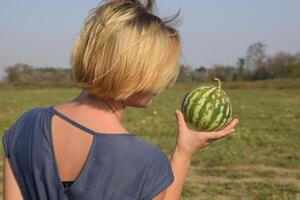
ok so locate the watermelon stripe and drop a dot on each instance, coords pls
(227, 102)
(228, 106)
(230, 113)
(199, 104)
(191, 101)
(227, 111)
(187, 97)
(194, 103)
(202, 106)
(208, 113)
(191, 93)
(218, 115)
(222, 124)
(224, 116)
(221, 119)
(186, 100)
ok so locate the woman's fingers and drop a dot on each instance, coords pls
(219, 134)
(210, 136)
(232, 124)
(180, 120)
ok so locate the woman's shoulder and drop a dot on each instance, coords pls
(150, 150)
(27, 119)
(24, 123)
(29, 114)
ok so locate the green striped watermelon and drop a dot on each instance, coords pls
(207, 108)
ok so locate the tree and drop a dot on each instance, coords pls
(23, 74)
(279, 64)
(200, 74)
(201, 69)
(19, 73)
(223, 72)
(12, 74)
(240, 69)
(184, 73)
(262, 72)
(255, 55)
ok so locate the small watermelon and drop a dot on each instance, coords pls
(207, 108)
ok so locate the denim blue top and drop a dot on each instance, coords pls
(118, 166)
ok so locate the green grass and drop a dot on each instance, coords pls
(259, 161)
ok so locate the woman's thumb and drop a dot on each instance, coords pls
(180, 119)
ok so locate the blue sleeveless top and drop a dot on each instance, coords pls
(118, 166)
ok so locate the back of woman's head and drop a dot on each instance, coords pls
(124, 48)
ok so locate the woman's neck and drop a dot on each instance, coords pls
(112, 106)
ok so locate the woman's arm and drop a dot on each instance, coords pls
(180, 166)
(188, 143)
(11, 190)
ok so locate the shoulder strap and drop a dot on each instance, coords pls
(72, 121)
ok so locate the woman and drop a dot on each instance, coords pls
(79, 149)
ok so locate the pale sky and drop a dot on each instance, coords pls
(41, 33)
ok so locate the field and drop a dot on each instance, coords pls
(259, 161)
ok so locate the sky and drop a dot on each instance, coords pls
(41, 33)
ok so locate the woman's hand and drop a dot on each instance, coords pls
(189, 142)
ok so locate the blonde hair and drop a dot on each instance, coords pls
(124, 48)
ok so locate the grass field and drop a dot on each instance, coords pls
(259, 161)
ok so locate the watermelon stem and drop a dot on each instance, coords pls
(219, 83)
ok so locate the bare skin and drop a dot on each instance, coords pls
(85, 109)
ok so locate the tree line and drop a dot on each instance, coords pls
(255, 65)
(24, 74)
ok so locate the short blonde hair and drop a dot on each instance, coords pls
(123, 49)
